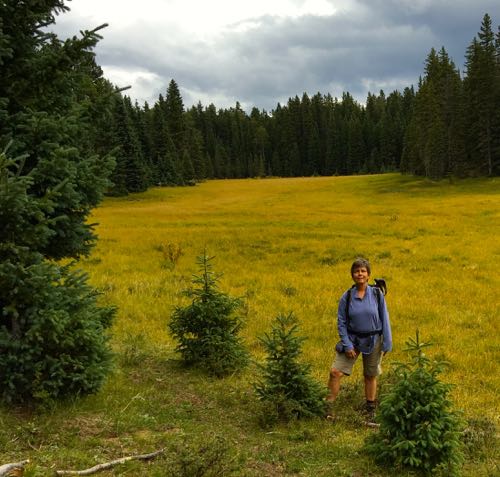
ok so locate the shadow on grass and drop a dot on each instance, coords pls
(207, 426)
(419, 186)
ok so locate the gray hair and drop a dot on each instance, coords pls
(361, 263)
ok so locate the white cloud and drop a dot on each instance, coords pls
(219, 98)
(195, 17)
(263, 51)
(143, 83)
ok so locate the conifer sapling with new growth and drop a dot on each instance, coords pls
(418, 428)
(286, 387)
(207, 329)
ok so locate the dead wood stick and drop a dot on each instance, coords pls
(107, 465)
(6, 469)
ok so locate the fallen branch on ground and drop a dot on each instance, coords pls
(6, 469)
(107, 465)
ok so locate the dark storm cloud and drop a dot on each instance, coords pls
(311, 53)
(453, 23)
(368, 45)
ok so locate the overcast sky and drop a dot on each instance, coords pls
(261, 52)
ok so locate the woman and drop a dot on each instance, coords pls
(364, 328)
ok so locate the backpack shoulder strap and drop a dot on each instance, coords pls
(378, 293)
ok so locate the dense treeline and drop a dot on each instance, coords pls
(449, 126)
(166, 145)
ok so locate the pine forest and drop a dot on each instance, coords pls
(448, 126)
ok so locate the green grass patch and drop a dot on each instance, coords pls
(283, 245)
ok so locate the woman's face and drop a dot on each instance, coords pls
(360, 276)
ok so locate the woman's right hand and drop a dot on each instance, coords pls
(351, 354)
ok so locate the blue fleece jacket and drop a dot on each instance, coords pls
(365, 316)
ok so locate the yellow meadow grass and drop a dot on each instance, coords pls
(287, 245)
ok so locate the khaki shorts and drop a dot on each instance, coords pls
(371, 362)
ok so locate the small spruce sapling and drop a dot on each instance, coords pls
(286, 387)
(418, 428)
(207, 329)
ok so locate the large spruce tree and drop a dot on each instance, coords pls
(482, 89)
(52, 96)
(131, 173)
(435, 139)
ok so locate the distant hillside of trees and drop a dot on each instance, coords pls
(449, 126)
(307, 136)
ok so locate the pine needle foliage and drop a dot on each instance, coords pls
(52, 331)
(418, 428)
(207, 329)
(286, 387)
(54, 103)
